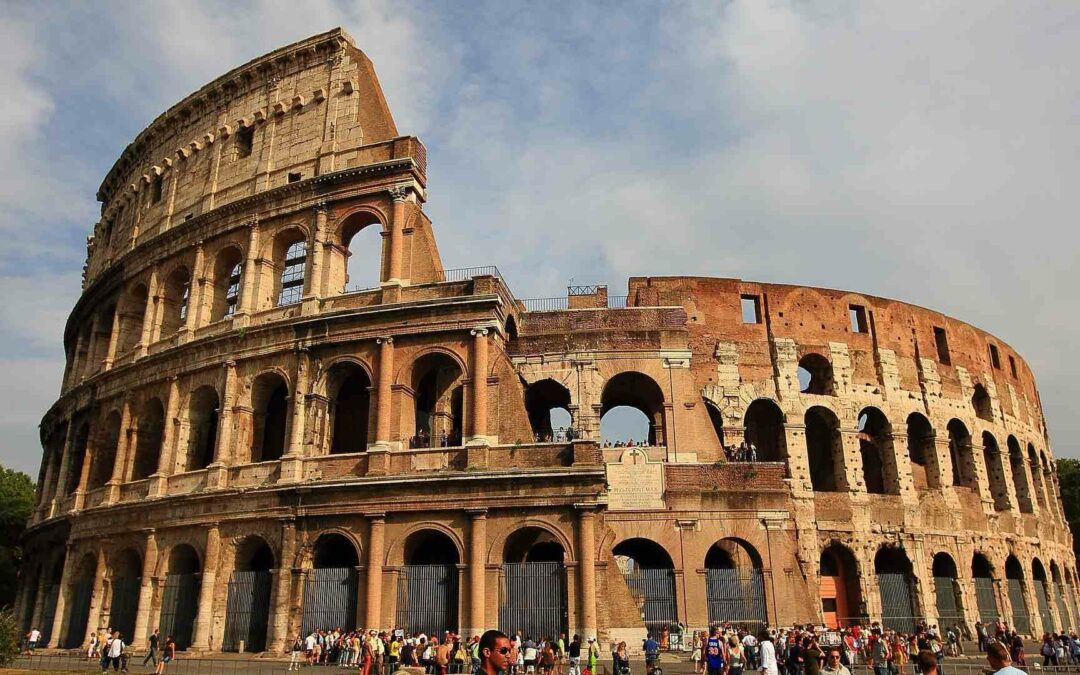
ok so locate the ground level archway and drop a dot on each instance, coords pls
(950, 609)
(650, 575)
(532, 593)
(896, 584)
(841, 594)
(180, 596)
(330, 591)
(735, 585)
(428, 583)
(247, 604)
(982, 574)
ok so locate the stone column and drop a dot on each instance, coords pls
(75, 373)
(84, 474)
(479, 368)
(374, 570)
(384, 382)
(45, 495)
(219, 469)
(114, 339)
(123, 452)
(97, 594)
(587, 569)
(146, 592)
(61, 597)
(159, 481)
(316, 253)
(278, 633)
(477, 570)
(248, 274)
(205, 618)
(149, 313)
(88, 366)
(195, 295)
(59, 492)
(292, 463)
(397, 225)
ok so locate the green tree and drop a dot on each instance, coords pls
(9, 637)
(1069, 481)
(16, 503)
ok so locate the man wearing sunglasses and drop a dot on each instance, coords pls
(494, 653)
(832, 663)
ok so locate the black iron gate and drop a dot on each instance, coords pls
(1064, 620)
(48, 612)
(247, 610)
(179, 607)
(897, 609)
(736, 596)
(1021, 623)
(78, 614)
(986, 600)
(330, 599)
(427, 599)
(948, 608)
(654, 591)
(533, 599)
(125, 602)
(1045, 617)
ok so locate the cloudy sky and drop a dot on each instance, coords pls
(923, 151)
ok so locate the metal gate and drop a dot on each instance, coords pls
(179, 607)
(986, 600)
(1072, 606)
(247, 610)
(427, 599)
(330, 599)
(948, 611)
(125, 602)
(1045, 617)
(736, 596)
(79, 614)
(897, 611)
(1065, 621)
(48, 613)
(1021, 623)
(654, 591)
(533, 599)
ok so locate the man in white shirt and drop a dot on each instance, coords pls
(116, 649)
(768, 655)
(749, 643)
(32, 638)
(997, 655)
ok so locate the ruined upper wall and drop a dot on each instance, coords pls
(300, 111)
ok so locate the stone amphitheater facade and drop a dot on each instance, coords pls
(248, 443)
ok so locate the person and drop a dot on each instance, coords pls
(297, 652)
(811, 656)
(697, 655)
(620, 660)
(879, 652)
(547, 657)
(652, 653)
(714, 653)
(736, 661)
(32, 639)
(833, 666)
(151, 648)
(168, 653)
(494, 653)
(92, 649)
(594, 655)
(116, 649)
(980, 631)
(750, 645)
(573, 652)
(1017, 644)
(1047, 651)
(997, 655)
(767, 654)
(926, 662)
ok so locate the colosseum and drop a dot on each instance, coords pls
(256, 436)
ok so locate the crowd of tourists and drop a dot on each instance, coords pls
(423, 439)
(1057, 648)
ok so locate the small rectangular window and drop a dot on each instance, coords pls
(995, 360)
(1012, 366)
(857, 313)
(942, 342)
(295, 177)
(245, 138)
(751, 309)
(156, 188)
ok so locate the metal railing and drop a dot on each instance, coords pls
(544, 304)
(617, 301)
(465, 273)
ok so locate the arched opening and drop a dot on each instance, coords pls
(511, 333)
(1014, 578)
(980, 401)
(637, 391)
(133, 307)
(437, 395)
(650, 575)
(330, 588)
(247, 604)
(175, 296)
(1042, 596)
(896, 583)
(78, 601)
(735, 585)
(361, 235)
(49, 586)
(1058, 593)
(963, 458)
(841, 594)
(533, 593)
(1036, 476)
(105, 446)
(149, 433)
(203, 411)
(270, 406)
(878, 458)
(427, 592)
(1019, 475)
(716, 418)
(103, 326)
(995, 472)
(349, 390)
(764, 430)
(80, 364)
(825, 450)
(290, 266)
(982, 573)
(225, 289)
(126, 579)
(921, 452)
(180, 596)
(947, 591)
(542, 400)
(78, 456)
(816, 375)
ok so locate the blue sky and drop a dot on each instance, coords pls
(923, 151)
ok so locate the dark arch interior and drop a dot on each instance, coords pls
(533, 544)
(716, 418)
(438, 395)
(334, 550)
(151, 428)
(645, 554)
(1013, 568)
(944, 566)
(963, 472)
(350, 410)
(995, 473)
(765, 429)
(891, 560)
(270, 396)
(254, 555)
(816, 375)
(732, 554)
(226, 283)
(105, 451)
(184, 560)
(641, 392)
(127, 563)
(82, 439)
(203, 424)
(980, 401)
(430, 547)
(823, 445)
(540, 399)
(1038, 572)
(875, 444)
(981, 568)
(1019, 475)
